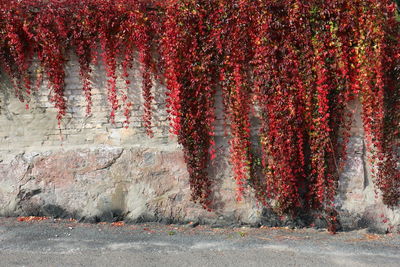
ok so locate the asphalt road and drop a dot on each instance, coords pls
(67, 243)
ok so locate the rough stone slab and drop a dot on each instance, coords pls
(138, 184)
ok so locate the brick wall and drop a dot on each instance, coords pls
(40, 129)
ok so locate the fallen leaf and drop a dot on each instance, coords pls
(263, 238)
(31, 218)
(372, 236)
(118, 224)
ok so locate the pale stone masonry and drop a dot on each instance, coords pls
(96, 170)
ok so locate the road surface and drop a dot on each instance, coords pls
(68, 243)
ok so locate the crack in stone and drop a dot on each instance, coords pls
(27, 194)
(28, 170)
(112, 162)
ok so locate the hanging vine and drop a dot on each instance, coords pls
(235, 34)
(303, 64)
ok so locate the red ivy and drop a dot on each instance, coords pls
(302, 63)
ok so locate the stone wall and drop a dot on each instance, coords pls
(94, 170)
